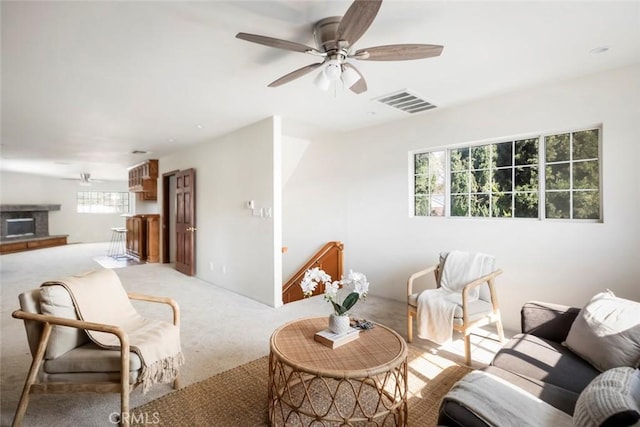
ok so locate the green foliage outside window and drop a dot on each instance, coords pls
(495, 180)
(572, 175)
(429, 184)
(504, 179)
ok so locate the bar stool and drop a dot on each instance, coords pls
(117, 248)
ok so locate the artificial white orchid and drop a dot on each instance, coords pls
(311, 280)
(331, 289)
(359, 282)
(315, 276)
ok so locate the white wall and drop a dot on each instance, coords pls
(313, 200)
(354, 188)
(236, 250)
(18, 188)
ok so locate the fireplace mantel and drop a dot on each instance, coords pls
(29, 208)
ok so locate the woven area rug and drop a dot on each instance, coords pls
(238, 397)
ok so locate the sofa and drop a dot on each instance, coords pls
(540, 362)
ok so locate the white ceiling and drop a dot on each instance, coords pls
(86, 83)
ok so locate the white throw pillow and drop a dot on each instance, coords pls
(606, 332)
(56, 301)
(611, 399)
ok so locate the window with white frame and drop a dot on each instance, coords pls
(102, 202)
(429, 178)
(495, 180)
(572, 175)
(550, 177)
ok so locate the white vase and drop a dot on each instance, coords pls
(339, 324)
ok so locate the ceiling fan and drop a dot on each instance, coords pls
(85, 179)
(335, 37)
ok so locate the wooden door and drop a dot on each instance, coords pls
(186, 221)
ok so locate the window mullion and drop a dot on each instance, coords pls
(571, 175)
(542, 177)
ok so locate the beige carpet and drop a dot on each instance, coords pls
(211, 319)
(238, 397)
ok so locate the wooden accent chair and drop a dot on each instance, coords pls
(85, 367)
(470, 314)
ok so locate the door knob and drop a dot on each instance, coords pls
(192, 229)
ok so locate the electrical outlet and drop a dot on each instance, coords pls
(210, 265)
(223, 269)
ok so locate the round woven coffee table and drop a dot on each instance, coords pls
(362, 382)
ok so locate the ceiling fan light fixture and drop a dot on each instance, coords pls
(322, 82)
(333, 70)
(349, 76)
(85, 179)
(335, 37)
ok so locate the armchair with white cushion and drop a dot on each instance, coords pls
(470, 295)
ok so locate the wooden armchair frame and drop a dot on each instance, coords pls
(467, 324)
(123, 387)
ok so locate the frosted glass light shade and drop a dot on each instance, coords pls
(322, 82)
(349, 76)
(333, 70)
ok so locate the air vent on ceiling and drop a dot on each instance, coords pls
(406, 101)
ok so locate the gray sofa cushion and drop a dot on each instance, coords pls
(606, 333)
(546, 361)
(453, 414)
(555, 396)
(549, 321)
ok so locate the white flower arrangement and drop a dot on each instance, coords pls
(313, 277)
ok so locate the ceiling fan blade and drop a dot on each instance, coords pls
(277, 43)
(399, 52)
(357, 20)
(359, 86)
(295, 74)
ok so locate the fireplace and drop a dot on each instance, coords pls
(18, 222)
(21, 227)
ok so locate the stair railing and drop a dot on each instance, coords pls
(329, 258)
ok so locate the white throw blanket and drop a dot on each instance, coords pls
(500, 403)
(99, 297)
(436, 307)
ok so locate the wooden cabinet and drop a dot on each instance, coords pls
(143, 236)
(153, 238)
(136, 236)
(143, 179)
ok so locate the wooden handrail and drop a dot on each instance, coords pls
(328, 250)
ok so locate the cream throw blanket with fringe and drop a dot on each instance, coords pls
(99, 297)
(436, 307)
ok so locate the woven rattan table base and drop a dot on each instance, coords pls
(299, 396)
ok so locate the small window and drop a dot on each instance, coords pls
(429, 183)
(103, 202)
(572, 175)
